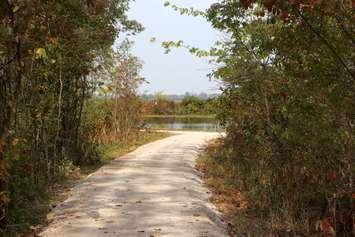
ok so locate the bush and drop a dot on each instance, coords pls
(288, 105)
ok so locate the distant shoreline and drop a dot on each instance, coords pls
(180, 116)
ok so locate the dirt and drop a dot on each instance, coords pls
(153, 191)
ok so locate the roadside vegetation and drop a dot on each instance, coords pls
(288, 105)
(68, 99)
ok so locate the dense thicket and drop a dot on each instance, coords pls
(289, 107)
(48, 53)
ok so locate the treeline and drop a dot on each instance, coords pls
(288, 104)
(52, 58)
(179, 97)
(189, 105)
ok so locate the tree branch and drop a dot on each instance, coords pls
(2, 66)
(330, 47)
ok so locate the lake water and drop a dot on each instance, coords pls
(183, 123)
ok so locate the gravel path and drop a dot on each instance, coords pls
(153, 191)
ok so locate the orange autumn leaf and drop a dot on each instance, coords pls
(325, 227)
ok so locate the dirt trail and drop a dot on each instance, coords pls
(153, 191)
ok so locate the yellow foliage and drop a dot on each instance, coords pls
(40, 53)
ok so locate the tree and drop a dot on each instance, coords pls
(47, 51)
(287, 69)
(194, 105)
(288, 100)
(124, 83)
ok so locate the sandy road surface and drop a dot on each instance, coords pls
(153, 191)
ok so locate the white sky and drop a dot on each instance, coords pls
(179, 71)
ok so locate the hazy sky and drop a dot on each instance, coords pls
(177, 72)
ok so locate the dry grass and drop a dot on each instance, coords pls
(218, 176)
(243, 219)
